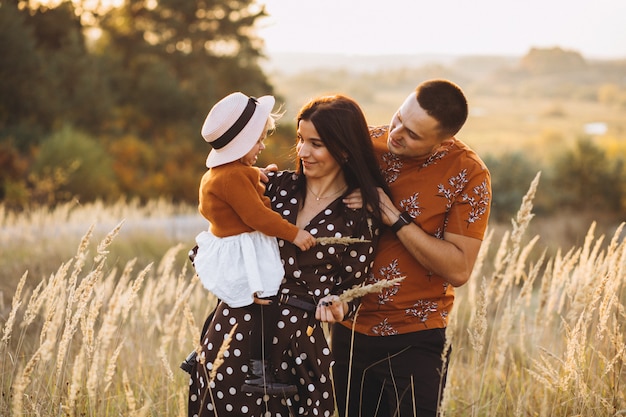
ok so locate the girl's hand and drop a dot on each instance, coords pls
(264, 171)
(304, 240)
(262, 301)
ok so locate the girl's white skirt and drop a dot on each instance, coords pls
(235, 268)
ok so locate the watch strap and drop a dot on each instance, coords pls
(404, 219)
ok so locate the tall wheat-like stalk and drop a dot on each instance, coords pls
(80, 329)
(554, 330)
(17, 302)
(363, 289)
(78, 373)
(531, 333)
(217, 363)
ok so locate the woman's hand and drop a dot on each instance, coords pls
(330, 309)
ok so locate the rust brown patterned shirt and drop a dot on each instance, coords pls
(448, 191)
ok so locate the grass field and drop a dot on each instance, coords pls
(540, 126)
(100, 305)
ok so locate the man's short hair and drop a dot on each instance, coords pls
(445, 102)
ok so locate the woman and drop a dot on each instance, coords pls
(335, 156)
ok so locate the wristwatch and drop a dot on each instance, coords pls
(404, 219)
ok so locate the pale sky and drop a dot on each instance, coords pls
(595, 28)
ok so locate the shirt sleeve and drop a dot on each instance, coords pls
(469, 214)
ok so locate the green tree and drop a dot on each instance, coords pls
(511, 174)
(179, 57)
(86, 162)
(584, 178)
(47, 76)
(21, 80)
(171, 61)
(153, 75)
(77, 88)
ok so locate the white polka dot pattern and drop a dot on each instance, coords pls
(299, 359)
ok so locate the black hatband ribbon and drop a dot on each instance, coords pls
(237, 127)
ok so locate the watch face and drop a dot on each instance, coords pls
(404, 219)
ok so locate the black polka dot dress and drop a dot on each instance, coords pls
(296, 357)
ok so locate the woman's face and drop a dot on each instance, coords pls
(317, 162)
(253, 154)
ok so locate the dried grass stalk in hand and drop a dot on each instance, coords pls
(360, 290)
(339, 240)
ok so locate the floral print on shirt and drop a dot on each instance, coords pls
(446, 192)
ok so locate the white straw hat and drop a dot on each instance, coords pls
(234, 125)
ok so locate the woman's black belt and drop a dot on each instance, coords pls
(302, 305)
(296, 302)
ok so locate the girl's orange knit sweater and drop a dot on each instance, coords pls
(232, 199)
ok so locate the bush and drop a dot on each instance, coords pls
(88, 166)
(584, 177)
(510, 175)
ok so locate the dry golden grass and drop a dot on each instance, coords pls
(338, 240)
(531, 335)
(360, 290)
(541, 338)
(93, 340)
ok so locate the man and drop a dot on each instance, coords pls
(441, 193)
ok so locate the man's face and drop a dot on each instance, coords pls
(412, 132)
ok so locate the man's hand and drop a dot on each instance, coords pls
(389, 212)
(354, 200)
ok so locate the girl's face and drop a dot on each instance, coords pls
(317, 162)
(253, 154)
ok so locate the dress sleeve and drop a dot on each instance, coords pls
(278, 181)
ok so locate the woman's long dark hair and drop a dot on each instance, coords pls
(342, 127)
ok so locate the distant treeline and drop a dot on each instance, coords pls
(582, 180)
(103, 104)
